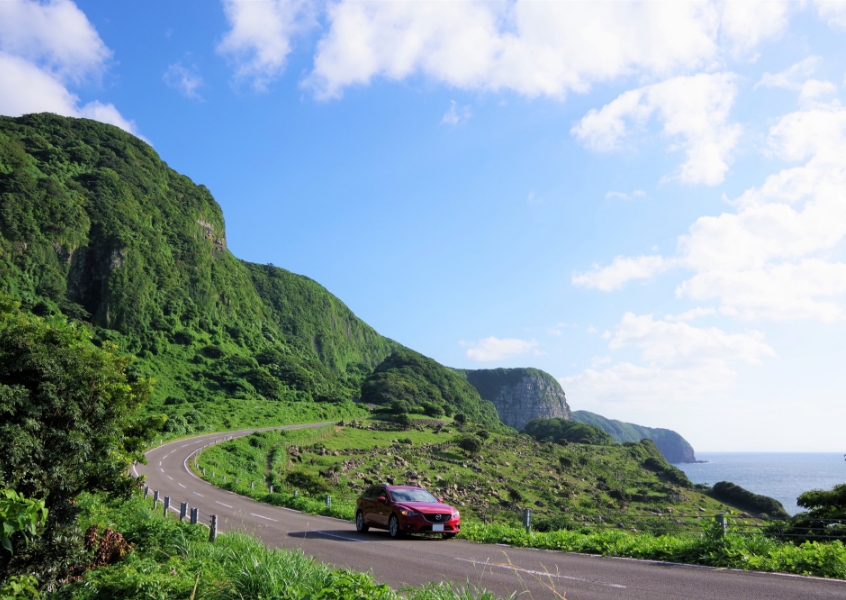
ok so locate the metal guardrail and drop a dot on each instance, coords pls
(195, 515)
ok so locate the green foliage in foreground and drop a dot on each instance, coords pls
(175, 560)
(746, 551)
(67, 425)
(19, 515)
(563, 431)
(825, 517)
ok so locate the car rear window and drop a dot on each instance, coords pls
(412, 496)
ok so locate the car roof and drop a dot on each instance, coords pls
(404, 487)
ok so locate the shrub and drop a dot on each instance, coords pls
(469, 443)
(403, 420)
(308, 482)
(726, 491)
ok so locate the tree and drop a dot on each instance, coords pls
(469, 443)
(68, 425)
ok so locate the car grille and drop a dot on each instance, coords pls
(434, 518)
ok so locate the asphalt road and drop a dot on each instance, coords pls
(500, 569)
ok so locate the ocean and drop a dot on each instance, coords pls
(780, 475)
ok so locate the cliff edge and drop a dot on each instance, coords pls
(520, 395)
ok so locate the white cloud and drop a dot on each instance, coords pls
(622, 270)
(493, 348)
(778, 255)
(833, 12)
(679, 363)
(456, 115)
(625, 195)
(694, 114)
(746, 24)
(691, 314)
(56, 35)
(184, 80)
(798, 78)
(792, 77)
(664, 343)
(532, 48)
(44, 48)
(259, 40)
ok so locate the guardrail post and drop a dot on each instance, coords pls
(328, 501)
(204, 472)
(271, 489)
(296, 493)
(721, 519)
(183, 509)
(213, 529)
(252, 485)
(527, 519)
(224, 479)
(146, 491)
(195, 514)
(155, 498)
(166, 505)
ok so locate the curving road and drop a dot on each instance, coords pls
(500, 569)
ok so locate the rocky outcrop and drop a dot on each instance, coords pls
(520, 395)
(674, 447)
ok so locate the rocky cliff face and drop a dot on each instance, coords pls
(520, 395)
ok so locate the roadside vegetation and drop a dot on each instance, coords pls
(614, 500)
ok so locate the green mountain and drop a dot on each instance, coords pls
(93, 224)
(674, 447)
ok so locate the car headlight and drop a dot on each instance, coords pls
(409, 513)
(455, 515)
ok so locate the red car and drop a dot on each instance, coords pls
(405, 509)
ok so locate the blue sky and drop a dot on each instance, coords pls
(647, 200)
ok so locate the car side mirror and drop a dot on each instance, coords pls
(381, 499)
(441, 500)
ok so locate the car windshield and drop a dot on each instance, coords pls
(412, 496)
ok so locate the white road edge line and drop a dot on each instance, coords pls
(180, 485)
(539, 573)
(340, 537)
(263, 517)
(199, 494)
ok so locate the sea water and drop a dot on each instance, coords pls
(780, 475)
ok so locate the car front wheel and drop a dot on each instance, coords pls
(359, 523)
(394, 527)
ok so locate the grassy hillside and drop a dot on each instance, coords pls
(572, 487)
(673, 446)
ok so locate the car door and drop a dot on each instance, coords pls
(368, 505)
(382, 510)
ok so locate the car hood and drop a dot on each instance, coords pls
(428, 508)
